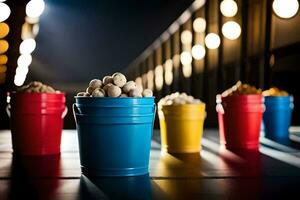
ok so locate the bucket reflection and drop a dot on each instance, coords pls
(185, 169)
(34, 177)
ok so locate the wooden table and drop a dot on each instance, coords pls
(215, 173)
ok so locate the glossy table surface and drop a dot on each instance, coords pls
(215, 173)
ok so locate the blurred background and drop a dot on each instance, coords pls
(198, 47)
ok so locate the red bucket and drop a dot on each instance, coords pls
(240, 118)
(37, 122)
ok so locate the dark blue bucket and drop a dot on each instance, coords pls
(277, 117)
(114, 135)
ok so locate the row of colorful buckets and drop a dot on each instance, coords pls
(115, 134)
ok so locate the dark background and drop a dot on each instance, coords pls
(80, 40)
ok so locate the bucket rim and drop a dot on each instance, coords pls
(107, 98)
(35, 93)
(184, 105)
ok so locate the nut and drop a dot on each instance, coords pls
(123, 95)
(135, 93)
(89, 90)
(50, 89)
(119, 79)
(114, 91)
(129, 86)
(81, 94)
(98, 92)
(107, 79)
(95, 83)
(107, 86)
(147, 93)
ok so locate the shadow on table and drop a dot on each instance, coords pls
(34, 177)
(135, 187)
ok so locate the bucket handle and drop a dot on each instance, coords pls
(65, 112)
(75, 111)
(154, 114)
(219, 108)
(8, 107)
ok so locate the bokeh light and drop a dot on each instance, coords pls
(186, 58)
(198, 51)
(24, 60)
(285, 8)
(199, 25)
(4, 12)
(228, 8)
(186, 37)
(3, 46)
(212, 41)
(35, 8)
(4, 30)
(27, 46)
(231, 30)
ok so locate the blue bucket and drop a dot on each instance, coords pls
(114, 135)
(277, 117)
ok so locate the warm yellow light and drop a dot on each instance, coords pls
(159, 80)
(150, 77)
(24, 60)
(198, 51)
(19, 80)
(27, 46)
(212, 41)
(231, 30)
(169, 72)
(228, 8)
(3, 46)
(3, 68)
(186, 58)
(22, 71)
(4, 12)
(35, 29)
(35, 8)
(199, 25)
(186, 37)
(285, 8)
(176, 60)
(187, 70)
(4, 30)
(3, 59)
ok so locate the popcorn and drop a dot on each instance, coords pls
(37, 87)
(115, 86)
(274, 91)
(241, 89)
(178, 99)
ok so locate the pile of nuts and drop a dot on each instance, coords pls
(274, 91)
(37, 87)
(114, 86)
(178, 99)
(241, 89)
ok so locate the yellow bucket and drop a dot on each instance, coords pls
(181, 127)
